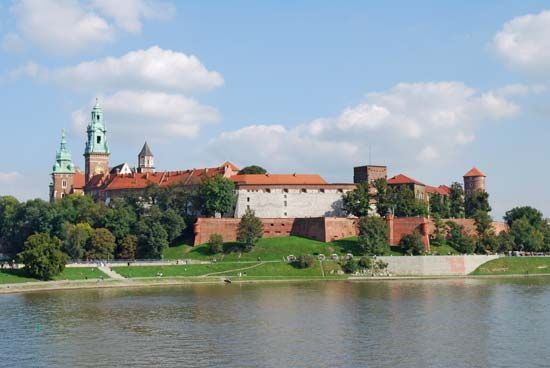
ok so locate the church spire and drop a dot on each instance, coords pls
(96, 153)
(63, 158)
(146, 159)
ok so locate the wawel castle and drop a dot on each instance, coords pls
(269, 195)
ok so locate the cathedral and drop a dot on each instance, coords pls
(104, 182)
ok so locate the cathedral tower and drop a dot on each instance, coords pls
(96, 154)
(63, 172)
(146, 161)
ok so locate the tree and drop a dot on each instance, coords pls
(75, 239)
(440, 206)
(357, 202)
(215, 244)
(381, 196)
(216, 195)
(173, 224)
(532, 215)
(349, 266)
(479, 201)
(152, 238)
(438, 236)
(42, 256)
(486, 237)
(252, 169)
(33, 216)
(405, 203)
(526, 236)
(127, 247)
(456, 200)
(119, 219)
(8, 208)
(412, 243)
(505, 242)
(373, 235)
(458, 240)
(101, 245)
(250, 229)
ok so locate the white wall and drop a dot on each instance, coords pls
(312, 203)
(435, 265)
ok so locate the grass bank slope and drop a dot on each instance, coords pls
(514, 266)
(9, 276)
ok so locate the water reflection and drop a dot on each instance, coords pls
(430, 323)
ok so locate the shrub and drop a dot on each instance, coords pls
(350, 266)
(365, 262)
(304, 261)
(412, 243)
(215, 244)
(250, 230)
(373, 235)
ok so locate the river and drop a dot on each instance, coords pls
(430, 323)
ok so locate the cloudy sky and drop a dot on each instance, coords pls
(427, 87)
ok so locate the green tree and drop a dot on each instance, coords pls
(215, 244)
(173, 224)
(33, 216)
(42, 256)
(350, 266)
(456, 200)
(216, 195)
(505, 242)
(405, 203)
(526, 236)
(357, 202)
(101, 245)
(250, 229)
(373, 235)
(458, 240)
(8, 208)
(382, 197)
(438, 236)
(252, 169)
(440, 206)
(152, 238)
(534, 216)
(127, 247)
(412, 243)
(486, 237)
(75, 239)
(479, 201)
(119, 219)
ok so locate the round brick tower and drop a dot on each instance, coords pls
(474, 180)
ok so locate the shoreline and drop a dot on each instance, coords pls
(39, 286)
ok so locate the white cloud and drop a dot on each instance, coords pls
(128, 14)
(71, 26)
(408, 125)
(524, 42)
(153, 115)
(152, 69)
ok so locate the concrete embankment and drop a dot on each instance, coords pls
(435, 265)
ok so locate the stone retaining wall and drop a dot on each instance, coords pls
(435, 265)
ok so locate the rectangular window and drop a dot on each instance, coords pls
(98, 139)
(268, 190)
(304, 190)
(248, 199)
(285, 204)
(321, 190)
(285, 190)
(64, 184)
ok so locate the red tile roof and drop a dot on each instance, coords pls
(474, 171)
(78, 181)
(162, 179)
(279, 179)
(403, 179)
(441, 190)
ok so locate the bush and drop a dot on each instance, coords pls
(373, 236)
(350, 266)
(304, 261)
(42, 256)
(412, 243)
(215, 244)
(365, 263)
(250, 230)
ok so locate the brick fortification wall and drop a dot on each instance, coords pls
(319, 228)
(401, 226)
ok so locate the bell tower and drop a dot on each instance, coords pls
(96, 153)
(146, 161)
(63, 172)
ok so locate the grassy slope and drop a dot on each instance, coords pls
(183, 270)
(8, 276)
(514, 266)
(270, 249)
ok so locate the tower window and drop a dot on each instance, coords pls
(64, 184)
(97, 117)
(98, 139)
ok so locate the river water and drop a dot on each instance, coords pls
(431, 323)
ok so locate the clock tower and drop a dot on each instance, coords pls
(96, 153)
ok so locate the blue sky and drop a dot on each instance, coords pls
(430, 88)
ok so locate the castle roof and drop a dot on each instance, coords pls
(145, 151)
(441, 190)
(403, 179)
(474, 171)
(78, 180)
(113, 181)
(278, 179)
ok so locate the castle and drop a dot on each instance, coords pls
(269, 195)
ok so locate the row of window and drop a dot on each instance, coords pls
(303, 190)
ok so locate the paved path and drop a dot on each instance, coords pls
(236, 269)
(111, 274)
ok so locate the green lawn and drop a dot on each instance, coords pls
(182, 270)
(443, 250)
(80, 273)
(283, 269)
(8, 276)
(515, 266)
(270, 249)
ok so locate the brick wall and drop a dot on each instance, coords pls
(401, 226)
